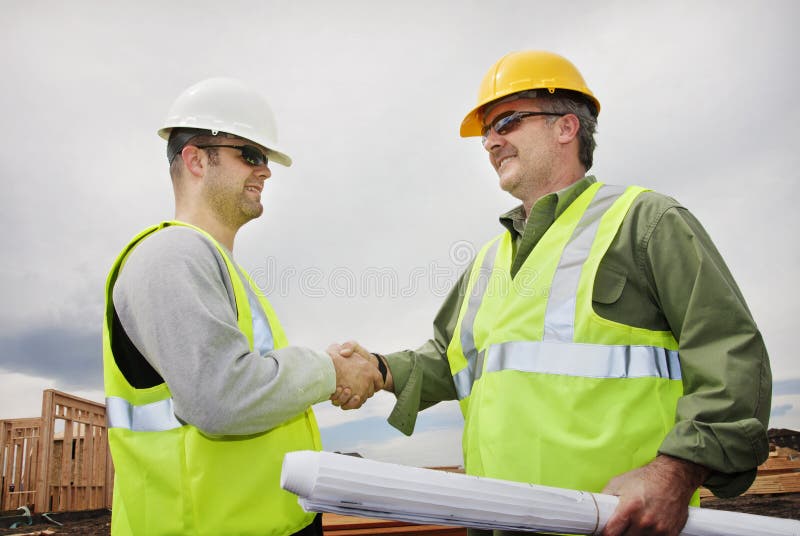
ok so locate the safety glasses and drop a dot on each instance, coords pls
(250, 154)
(509, 122)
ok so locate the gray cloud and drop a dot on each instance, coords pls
(69, 357)
(786, 387)
(780, 411)
(382, 186)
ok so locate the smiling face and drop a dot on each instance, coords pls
(232, 186)
(524, 157)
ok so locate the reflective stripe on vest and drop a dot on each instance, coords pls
(559, 319)
(263, 340)
(585, 360)
(467, 376)
(573, 359)
(154, 417)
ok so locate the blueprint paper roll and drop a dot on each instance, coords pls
(299, 472)
(345, 484)
(327, 482)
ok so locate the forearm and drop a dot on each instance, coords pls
(687, 476)
(428, 365)
(222, 388)
(722, 418)
(258, 393)
(421, 378)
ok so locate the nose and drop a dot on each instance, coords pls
(263, 172)
(492, 140)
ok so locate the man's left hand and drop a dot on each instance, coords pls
(654, 499)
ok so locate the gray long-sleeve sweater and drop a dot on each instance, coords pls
(175, 301)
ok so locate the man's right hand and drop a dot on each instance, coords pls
(357, 378)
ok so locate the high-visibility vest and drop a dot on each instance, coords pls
(171, 478)
(552, 393)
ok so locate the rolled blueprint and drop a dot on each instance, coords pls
(327, 482)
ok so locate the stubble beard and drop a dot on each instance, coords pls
(528, 177)
(512, 180)
(233, 209)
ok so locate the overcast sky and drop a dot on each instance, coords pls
(385, 205)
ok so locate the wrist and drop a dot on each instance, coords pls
(693, 474)
(381, 364)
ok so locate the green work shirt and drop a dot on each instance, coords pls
(662, 272)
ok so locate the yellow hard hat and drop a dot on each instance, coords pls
(523, 71)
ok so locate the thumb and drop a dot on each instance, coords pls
(347, 349)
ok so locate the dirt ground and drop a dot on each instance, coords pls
(786, 505)
(89, 523)
(97, 522)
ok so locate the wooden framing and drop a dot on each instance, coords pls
(78, 475)
(58, 462)
(19, 451)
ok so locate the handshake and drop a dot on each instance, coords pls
(358, 376)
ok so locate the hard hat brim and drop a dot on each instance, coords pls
(274, 154)
(521, 71)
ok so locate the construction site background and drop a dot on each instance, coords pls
(56, 477)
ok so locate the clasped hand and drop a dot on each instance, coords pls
(357, 375)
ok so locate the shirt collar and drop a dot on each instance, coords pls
(514, 220)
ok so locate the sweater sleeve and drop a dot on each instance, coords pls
(175, 301)
(722, 417)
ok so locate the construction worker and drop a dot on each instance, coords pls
(599, 343)
(204, 395)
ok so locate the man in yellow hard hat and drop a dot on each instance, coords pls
(204, 395)
(599, 343)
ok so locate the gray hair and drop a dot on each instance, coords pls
(588, 124)
(564, 102)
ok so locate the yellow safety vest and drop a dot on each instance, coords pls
(170, 478)
(551, 393)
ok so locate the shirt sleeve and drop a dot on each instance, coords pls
(175, 301)
(422, 377)
(723, 415)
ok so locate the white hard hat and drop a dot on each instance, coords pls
(226, 105)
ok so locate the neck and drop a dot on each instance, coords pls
(556, 184)
(222, 233)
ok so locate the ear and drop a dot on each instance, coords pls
(194, 160)
(569, 126)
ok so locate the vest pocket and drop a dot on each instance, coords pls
(608, 284)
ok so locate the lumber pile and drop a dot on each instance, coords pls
(340, 525)
(779, 474)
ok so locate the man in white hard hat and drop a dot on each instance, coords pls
(204, 394)
(599, 343)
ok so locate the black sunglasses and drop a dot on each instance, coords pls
(509, 122)
(250, 154)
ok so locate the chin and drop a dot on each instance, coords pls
(252, 213)
(508, 184)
